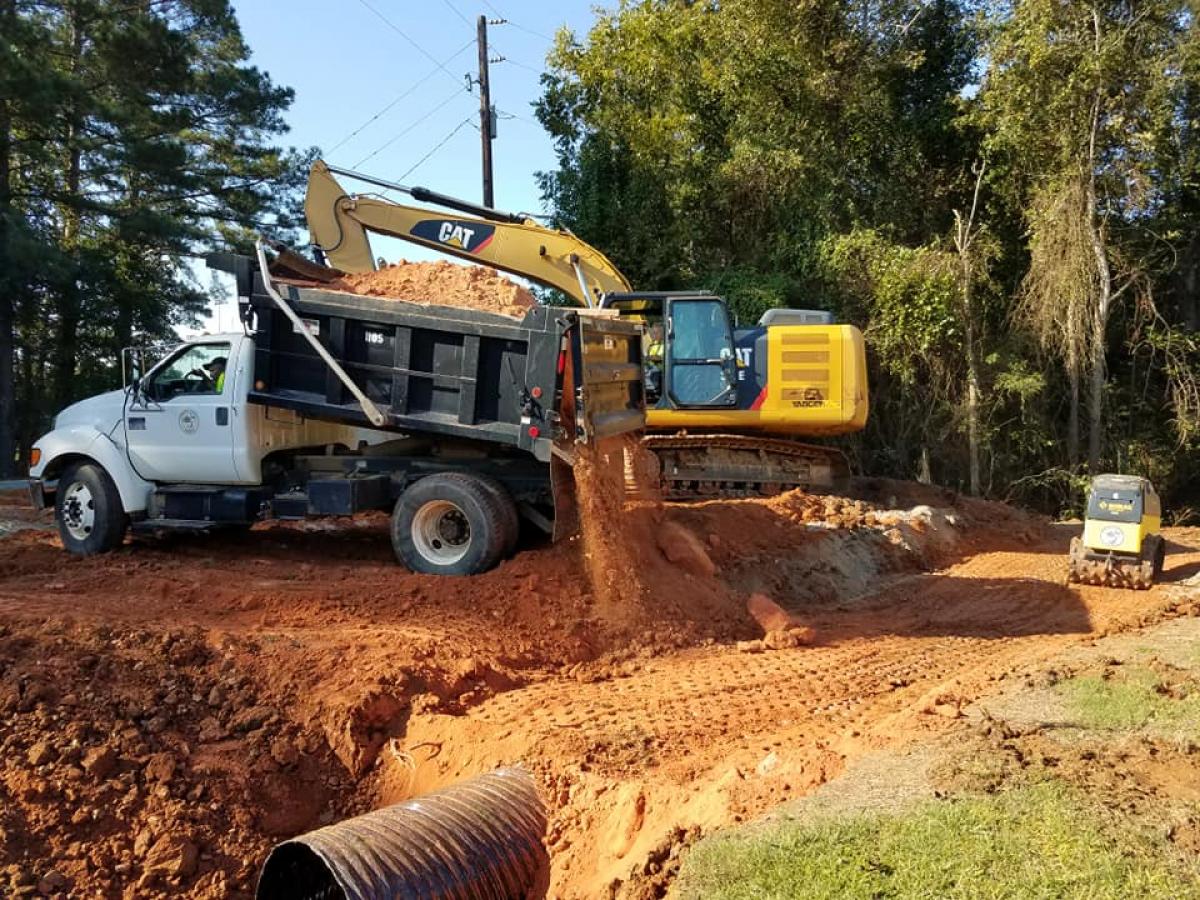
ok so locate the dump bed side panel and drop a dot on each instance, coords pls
(451, 371)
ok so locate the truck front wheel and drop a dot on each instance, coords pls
(451, 523)
(88, 509)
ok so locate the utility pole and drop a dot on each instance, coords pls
(486, 132)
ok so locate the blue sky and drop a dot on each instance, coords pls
(373, 96)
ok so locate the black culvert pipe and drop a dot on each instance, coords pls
(477, 840)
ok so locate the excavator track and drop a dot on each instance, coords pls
(705, 466)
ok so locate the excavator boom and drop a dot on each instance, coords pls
(339, 222)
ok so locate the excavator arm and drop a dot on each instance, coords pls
(339, 223)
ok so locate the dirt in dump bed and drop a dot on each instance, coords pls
(442, 283)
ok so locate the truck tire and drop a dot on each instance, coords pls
(88, 509)
(508, 507)
(452, 523)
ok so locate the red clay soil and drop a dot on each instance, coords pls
(171, 710)
(442, 283)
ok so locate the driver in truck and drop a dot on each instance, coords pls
(213, 374)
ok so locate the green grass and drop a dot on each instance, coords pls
(1039, 840)
(1131, 701)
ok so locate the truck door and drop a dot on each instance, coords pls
(701, 369)
(178, 426)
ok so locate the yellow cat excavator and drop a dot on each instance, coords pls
(724, 404)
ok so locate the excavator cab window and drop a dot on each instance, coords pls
(701, 368)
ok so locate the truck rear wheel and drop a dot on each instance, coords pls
(452, 523)
(87, 506)
(508, 508)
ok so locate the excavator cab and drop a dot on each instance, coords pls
(694, 366)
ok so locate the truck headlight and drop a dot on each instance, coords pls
(1111, 536)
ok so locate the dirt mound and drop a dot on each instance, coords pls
(442, 283)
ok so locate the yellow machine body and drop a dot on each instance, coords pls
(1120, 544)
(815, 386)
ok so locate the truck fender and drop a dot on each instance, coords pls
(64, 446)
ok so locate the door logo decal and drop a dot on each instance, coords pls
(189, 421)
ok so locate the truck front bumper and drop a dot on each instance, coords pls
(37, 493)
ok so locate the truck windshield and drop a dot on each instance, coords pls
(1115, 506)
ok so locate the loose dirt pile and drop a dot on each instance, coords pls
(444, 284)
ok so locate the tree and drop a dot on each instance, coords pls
(148, 139)
(966, 240)
(1076, 95)
(695, 138)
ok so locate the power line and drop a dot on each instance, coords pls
(390, 105)
(516, 25)
(454, 9)
(409, 128)
(436, 147)
(396, 28)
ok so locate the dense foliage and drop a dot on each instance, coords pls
(133, 137)
(1003, 195)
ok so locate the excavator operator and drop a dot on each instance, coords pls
(652, 361)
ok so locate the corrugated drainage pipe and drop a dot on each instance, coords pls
(477, 840)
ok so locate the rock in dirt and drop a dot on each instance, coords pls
(767, 764)
(769, 615)
(789, 638)
(685, 550)
(41, 753)
(211, 731)
(53, 882)
(251, 719)
(783, 630)
(99, 762)
(160, 768)
(284, 752)
(172, 855)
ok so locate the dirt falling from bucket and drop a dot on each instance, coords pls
(610, 533)
(639, 591)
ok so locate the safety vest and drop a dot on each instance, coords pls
(220, 383)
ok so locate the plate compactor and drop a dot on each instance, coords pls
(1120, 545)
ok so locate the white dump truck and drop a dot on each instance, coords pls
(474, 421)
